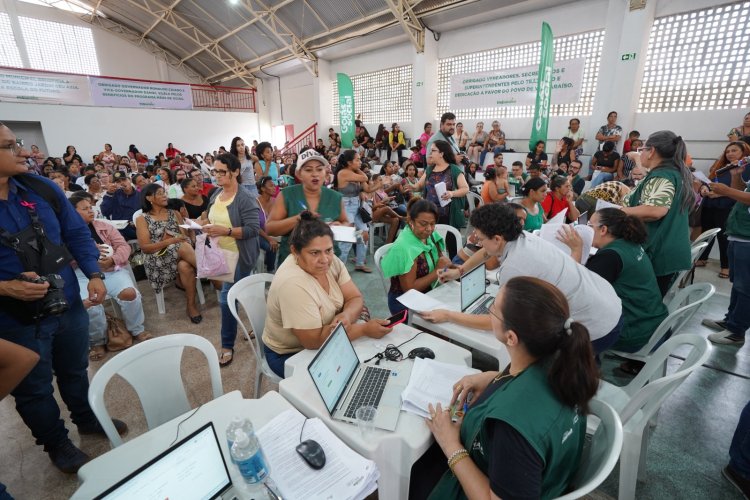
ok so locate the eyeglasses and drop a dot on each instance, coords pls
(642, 149)
(220, 173)
(14, 148)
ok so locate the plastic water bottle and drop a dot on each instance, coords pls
(238, 423)
(248, 456)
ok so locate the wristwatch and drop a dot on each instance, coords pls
(96, 275)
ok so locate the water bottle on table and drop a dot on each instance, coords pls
(248, 455)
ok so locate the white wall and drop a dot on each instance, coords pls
(297, 105)
(88, 128)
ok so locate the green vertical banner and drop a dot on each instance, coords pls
(346, 109)
(543, 89)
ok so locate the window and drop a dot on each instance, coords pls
(74, 6)
(698, 61)
(59, 47)
(381, 96)
(587, 45)
(9, 55)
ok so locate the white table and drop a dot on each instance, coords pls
(393, 452)
(106, 470)
(482, 340)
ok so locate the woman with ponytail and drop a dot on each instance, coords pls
(524, 430)
(663, 200)
(621, 260)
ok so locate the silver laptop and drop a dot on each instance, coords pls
(194, 468)
(346, 384)
(474, 296)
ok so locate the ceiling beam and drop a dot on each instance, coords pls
(411, 24)
(164, 14)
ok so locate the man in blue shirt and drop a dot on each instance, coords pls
(120, 202)
(61, 340)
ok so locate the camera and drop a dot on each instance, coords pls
(53, 302)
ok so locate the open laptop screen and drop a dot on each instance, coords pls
(194, 468)
(473, 286)
(333, 367)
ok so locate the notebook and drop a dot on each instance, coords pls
(194, 468)
(346, 384)
(474, 296)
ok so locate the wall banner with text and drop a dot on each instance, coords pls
(515, 86)
(43, 88)
(135, 94)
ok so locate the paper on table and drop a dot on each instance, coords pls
(701, 177)
(190, 224)
(440, 190)
(346, 474)
(431, 382)
(418, 301)
(344, 233)
(605, 204)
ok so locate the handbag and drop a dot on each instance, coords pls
(364, 214)
(118, 337)
(214, 262)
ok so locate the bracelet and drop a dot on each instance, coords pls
(230, 232)
(456, 457)
(456, 453)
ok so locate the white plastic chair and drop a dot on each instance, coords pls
(376, 227)
(695, 251)
(601, 455)
(474, 201)
(706, 236)
(250, 292)
(153, 369)
(378, 258)
(638, 402)
(681, 308)
(445, 229)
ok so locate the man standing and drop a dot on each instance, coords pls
(120, 202)
(40, 231)
(447, 129)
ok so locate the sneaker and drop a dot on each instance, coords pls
(96, 428)
(737, 481)
(714, 324)
(66, 456)
(726, 337)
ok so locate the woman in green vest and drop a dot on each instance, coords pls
(311, 195)
(442, 168)
(523, 432)
(662, 201)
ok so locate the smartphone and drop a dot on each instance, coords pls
(397, 318)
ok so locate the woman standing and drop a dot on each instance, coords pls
(240, 151)
(268, 244)
(424, 138)
(559, 198)
(70, 155)
(477, 143)
(381, 137)
(610, 131)
(575, 133)
(265, 166)
(495, 188)
(662, 200)
(743, 130)
(233, 217)
(348, 181)
(534, 192)
(107, 157)
(396, 142)
(195, 202)
(166, 247)
(715, 210)
(442, 168)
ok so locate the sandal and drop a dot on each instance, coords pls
(97, 353)
(723, 275)
(363, 269)
(700, 263)
(631, 367)
(226, 358)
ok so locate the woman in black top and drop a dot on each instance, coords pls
(70, 155)
(538, 156)
(566, 153)
(607, 161)
(195, 202)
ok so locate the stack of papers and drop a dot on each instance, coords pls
(191, 224)
(344, 233)
(346, 474)
(431, 382)
(420, 302)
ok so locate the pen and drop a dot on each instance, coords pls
(302, 204)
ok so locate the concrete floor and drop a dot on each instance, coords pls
(687, 452)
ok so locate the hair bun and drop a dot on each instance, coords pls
(307, 215)
(677, 140)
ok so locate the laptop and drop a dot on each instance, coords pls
(474, 296)
(194, 468)
(346, 384)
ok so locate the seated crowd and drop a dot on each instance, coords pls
(284, 202)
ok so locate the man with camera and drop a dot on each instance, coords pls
(447, 129)
(120, 202)
(40, 306)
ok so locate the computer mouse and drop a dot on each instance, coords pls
(422, 352)
(313, 453)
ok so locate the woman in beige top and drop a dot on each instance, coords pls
(310, 294)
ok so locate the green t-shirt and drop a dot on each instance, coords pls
(534, 222)
(738, 223)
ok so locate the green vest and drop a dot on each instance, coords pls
(528, 404)
(668, 244)
(642, 307)
(456, 207)
(295, 202)
(738, 223)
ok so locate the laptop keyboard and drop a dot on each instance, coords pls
(483, 308)
(369, 391)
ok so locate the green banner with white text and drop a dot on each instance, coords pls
(346, 109)
(543, 89)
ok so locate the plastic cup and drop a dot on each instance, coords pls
(366, 420)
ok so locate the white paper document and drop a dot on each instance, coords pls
(346, 474)
(559, 218)
(431, 382)
(418, 301)
(344, 233)
(605, 204)
(701, 177)
(440, 190)
(191, 224)
(549, 233)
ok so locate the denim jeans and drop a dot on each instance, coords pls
(351, 205)
(602, 177)
(603, 343)
(228, 321)
(4, 495)
(132, 310)
(62, 343)
(483, 154)
(276, 361)
(394, 305)
(738, 315)
(739, 450)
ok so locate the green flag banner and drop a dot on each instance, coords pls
(346, 109)
(543, 89)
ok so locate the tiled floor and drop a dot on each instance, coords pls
(687, 451)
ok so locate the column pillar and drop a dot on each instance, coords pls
(424, 87)
(323, 98)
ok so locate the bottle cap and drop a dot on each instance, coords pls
(240, 438)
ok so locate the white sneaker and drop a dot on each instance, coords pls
(726, 337)
(714, 324)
